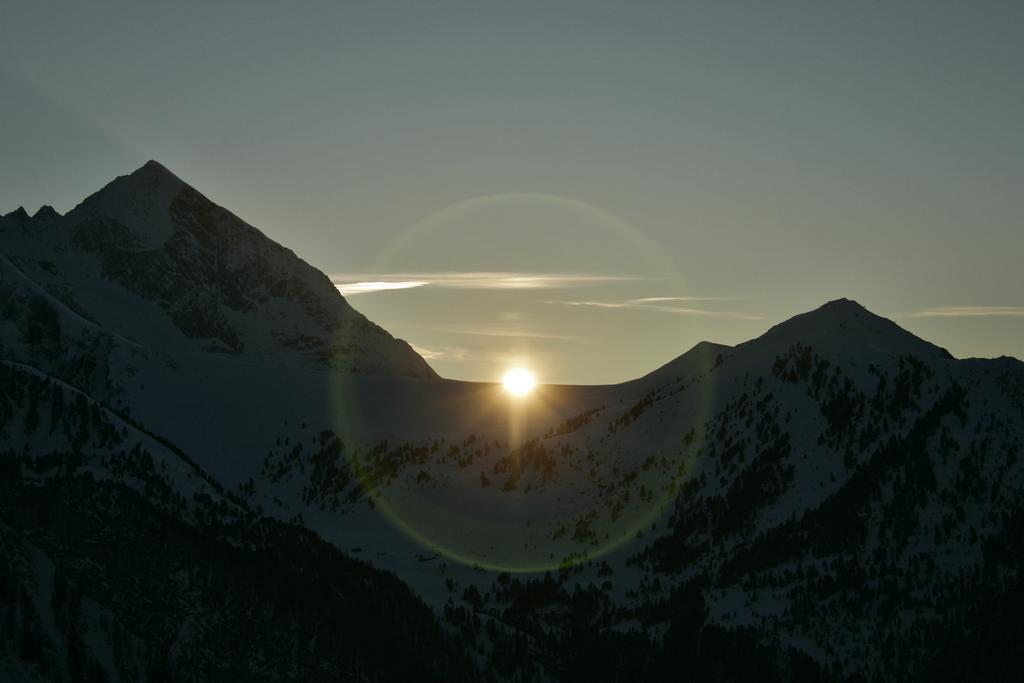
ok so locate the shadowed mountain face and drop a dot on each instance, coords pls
(148, 259)
(196, 429)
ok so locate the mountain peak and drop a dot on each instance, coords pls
(150, 174)
(139, 201)
(701, 356)
(152, 168)
(845, 326)
(843, 304)
(45, 212)
(840, 312)
(163, 247)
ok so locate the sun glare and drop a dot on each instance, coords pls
(519, 381)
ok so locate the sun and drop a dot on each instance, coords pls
(519, 381)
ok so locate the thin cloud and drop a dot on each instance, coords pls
(649, 305)
(350, 288)
(447, 353)
(664, 299)
(969, 312)
(375, 282)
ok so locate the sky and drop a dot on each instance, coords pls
(587, 188)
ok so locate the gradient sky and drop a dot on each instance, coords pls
(676, 171)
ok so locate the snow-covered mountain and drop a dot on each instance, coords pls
(150, 262)
(836, 498)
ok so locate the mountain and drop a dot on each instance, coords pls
(212, 467)
(150, 262)
(836, 497)
(123, 560)
(831, 327)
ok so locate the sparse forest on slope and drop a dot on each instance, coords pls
(109, 573)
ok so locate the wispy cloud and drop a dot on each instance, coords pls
(447, 352)
(969, 312)
(651, 304)
(350, 288)
(665, 299)
(363, 283)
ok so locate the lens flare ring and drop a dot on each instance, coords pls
(473, 506)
